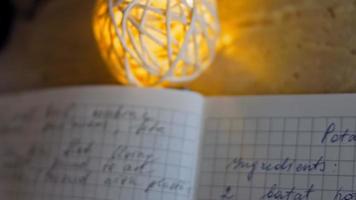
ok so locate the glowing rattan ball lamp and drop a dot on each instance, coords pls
(156, 42)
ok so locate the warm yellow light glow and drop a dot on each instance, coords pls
(154, 42)
(190, 3)
(243, 24)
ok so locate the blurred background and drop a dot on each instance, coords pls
(266, 47)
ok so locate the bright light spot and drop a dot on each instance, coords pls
(190, 3)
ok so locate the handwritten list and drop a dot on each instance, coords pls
(284, 158)
(77, 151)
(131, 144)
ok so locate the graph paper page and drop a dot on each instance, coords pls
(99, 143)
(283, 147)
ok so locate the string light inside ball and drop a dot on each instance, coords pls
(156, 42)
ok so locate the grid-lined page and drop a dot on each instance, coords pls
(296, 147)
(99, 144)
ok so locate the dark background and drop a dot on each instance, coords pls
(7, 15)
(11, 10)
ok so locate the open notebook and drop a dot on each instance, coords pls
(111, 143)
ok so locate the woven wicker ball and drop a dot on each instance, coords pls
(156, 42)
